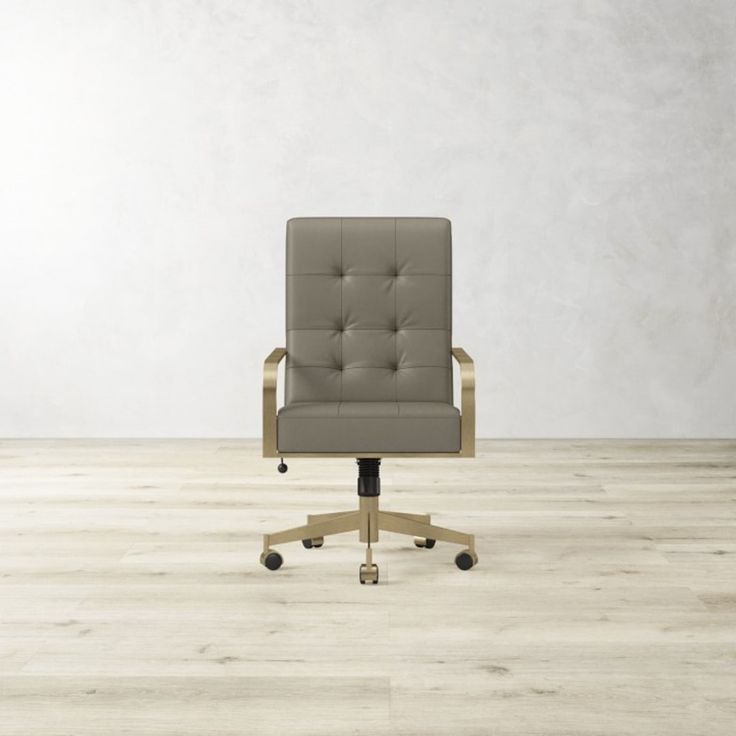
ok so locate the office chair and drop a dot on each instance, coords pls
(368, 369)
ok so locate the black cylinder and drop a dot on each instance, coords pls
(369, 482)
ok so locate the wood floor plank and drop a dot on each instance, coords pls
(132, 601)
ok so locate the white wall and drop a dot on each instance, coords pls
(151, 152)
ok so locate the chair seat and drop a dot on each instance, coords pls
(369, 426)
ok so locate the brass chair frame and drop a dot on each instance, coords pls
(368, 519)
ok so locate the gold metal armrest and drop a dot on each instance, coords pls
(467, 402)
(270, 375)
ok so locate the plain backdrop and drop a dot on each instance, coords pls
(152, 151)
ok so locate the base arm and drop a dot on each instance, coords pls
(347, 522)
(402, 525)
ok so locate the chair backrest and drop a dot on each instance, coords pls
(368, 309)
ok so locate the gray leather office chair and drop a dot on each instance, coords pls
(368, 368)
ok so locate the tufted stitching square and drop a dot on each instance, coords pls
(368, 246)
(423, 246)
(314, 302)
(368, 302)
(423, 302)
(368, 384)
(315, 348)
(318, 249)
(417, 348)
(319, 384)
(368, 349)
(422, 383)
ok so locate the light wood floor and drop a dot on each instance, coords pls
(132, 601)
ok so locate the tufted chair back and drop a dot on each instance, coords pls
(368, 309)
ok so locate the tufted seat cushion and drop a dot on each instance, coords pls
(369, 426)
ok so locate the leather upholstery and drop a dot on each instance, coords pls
(372, 426)
(368, 336)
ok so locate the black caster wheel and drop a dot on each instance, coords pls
(368, 574)
(282, 467)
(426, 543)
(271, 559)
(316, 542)
(466, 559)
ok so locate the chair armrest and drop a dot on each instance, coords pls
(270, 375)
(467, 402)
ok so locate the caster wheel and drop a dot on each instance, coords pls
(316, 542)
(368, 574)
(282, 467)
(272, 559)
(466, 559)
(426, 543)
